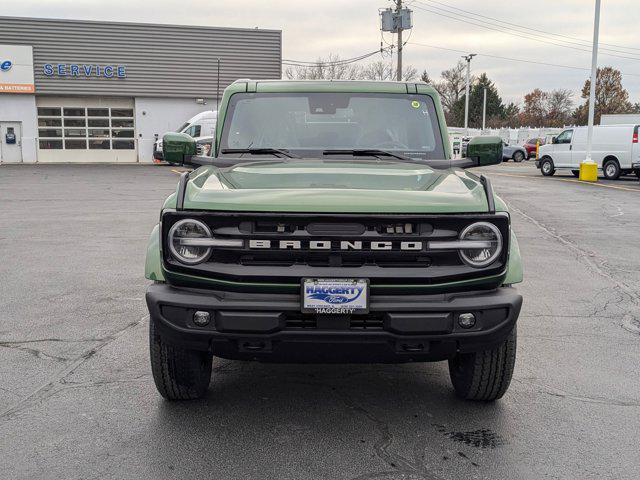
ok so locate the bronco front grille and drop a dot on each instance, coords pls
(284, 248)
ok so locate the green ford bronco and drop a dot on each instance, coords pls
(331, 224)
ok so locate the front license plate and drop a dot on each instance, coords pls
(331, 295)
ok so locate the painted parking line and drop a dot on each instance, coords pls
(569, 180)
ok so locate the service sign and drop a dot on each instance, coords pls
(335, 296)
(16, 69)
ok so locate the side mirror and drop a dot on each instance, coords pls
(554, 140)
(178, 147)
(485, 151)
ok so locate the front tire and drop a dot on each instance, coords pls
(518, 157)
(485, 375)
(546, 167)
(179, 373)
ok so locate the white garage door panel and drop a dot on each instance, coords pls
(86, 130)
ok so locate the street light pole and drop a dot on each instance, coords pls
(399, 71)
(588, 169)
(466, 94)
(484, 109)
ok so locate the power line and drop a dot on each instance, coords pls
(328, 63)
(346, 61)
(512, 59)
(519, 35)
(475, 14)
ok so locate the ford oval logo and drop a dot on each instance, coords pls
(6, 65)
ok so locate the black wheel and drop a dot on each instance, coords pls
(611, 169)
(484, 375)
(546, 167)
(179, 373)
(637, 172)
(576, 173)
(518, 156)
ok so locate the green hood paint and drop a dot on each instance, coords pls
(349, 186)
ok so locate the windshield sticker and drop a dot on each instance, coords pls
(415, 104)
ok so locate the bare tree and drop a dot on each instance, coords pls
(332, 68)
(378, 70)
(381, 70)
(559, 107)
(451, 85)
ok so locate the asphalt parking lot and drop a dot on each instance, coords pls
(77, 399)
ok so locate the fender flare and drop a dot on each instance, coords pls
(153, 264)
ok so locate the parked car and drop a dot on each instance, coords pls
(199, 126)
(513, 152)
(615, 149)
(530, 146)
(309, 236)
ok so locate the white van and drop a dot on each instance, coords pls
(615, 149)
(201, 125)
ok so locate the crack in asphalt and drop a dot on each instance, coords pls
(403, 468)
(599, 266)
(99, 383)
(556, 392)
(61, 340)
(582, 254)
(49, 388)
(33, 351)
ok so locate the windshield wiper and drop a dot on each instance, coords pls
(372, 152)
(260, 151)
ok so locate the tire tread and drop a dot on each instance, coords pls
(179, 374)
(484, 375)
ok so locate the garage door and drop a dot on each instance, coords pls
(74, 133)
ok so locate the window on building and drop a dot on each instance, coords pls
(74, 112)
(85, 128)
(49, 122)
(50, 144)
(47, 111)
(75, 144)
(97, 112)
(123, 145)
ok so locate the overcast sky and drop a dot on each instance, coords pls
(314, 28)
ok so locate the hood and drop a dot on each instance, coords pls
(334, 186)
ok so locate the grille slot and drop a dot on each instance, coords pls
(369, 321)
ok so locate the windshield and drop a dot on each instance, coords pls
(309, 123)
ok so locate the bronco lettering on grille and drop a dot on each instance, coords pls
(328, 245)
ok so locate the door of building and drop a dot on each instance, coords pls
(11, 142)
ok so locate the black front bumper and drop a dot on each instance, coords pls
(270, 327)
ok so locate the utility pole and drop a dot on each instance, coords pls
(588, 168)
(395, 21)
(466, 95)
(484, 109)
(398, 12)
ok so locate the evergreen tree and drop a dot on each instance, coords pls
(495, 107)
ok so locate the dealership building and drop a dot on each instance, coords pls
(84, 91)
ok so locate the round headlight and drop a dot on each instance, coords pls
(489, 244)
(183, 241)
